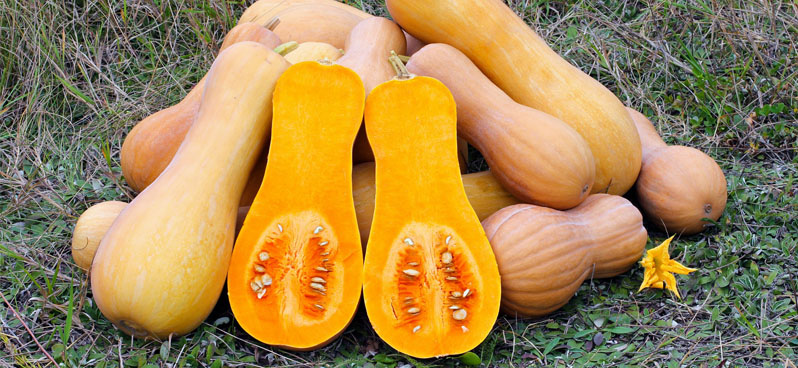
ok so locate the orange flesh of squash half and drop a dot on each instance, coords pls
(296, 272)
(433, 287)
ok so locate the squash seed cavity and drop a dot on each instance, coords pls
(433, 277)
(297, 254)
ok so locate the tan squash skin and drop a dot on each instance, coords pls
(544, 255)
(413, 44)
(311, 51)
(517, 60)
(367, 50)
(160, 268)
(677, 186)
(484, 193)
(536, 157)
(315, 22)
(264, 10)
(150, 145)
(90, 229)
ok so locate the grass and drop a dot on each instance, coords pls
(718, 76)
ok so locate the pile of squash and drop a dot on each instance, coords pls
(265, 147)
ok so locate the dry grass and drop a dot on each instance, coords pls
(719, 76)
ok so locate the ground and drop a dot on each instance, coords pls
(721, 77)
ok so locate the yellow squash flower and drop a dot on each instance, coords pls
(659, 269)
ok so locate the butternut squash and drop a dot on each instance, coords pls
(315, 22)
(536, 157)
(90, 229)
(264, 10)
(312, 51)
(484, 193)
(433, 287)
(296, 272)
(544, 255)
(161, 266)
(517, 60)
(150, 145)
(678, 186)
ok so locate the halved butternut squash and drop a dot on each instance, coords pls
(296, 271)
(433, 287)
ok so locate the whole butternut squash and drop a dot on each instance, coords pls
(315, 22)
(536, 157)
(544, 255)
(297, 267)
(484, 193)
(90, 229)
(367, 50)
(517, 60)
(264, 10)
(161, 266)
(433, 287)
(312, 51)
(678, 186)
(150, 145)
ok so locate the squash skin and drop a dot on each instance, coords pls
(413, 44)
(90, 229)
(484, 193)
(316, 23)
(408, 204)
(306, 184)
(536, 157)
(678, 185)
(150, 145)
(161, 266)
(311, 51)
(262, 11)
(544, 255)
(368, 47)
(517, 60)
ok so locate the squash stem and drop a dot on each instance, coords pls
(286, 47)
(272, 24)
(399, 67)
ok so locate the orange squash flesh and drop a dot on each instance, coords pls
(368, 47)
(433, 287)
(484, 193)
(296, 271)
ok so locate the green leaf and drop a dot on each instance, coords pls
(75, 90)
(165, 350)
(550, 346)
(621, 330)
(470, 358)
